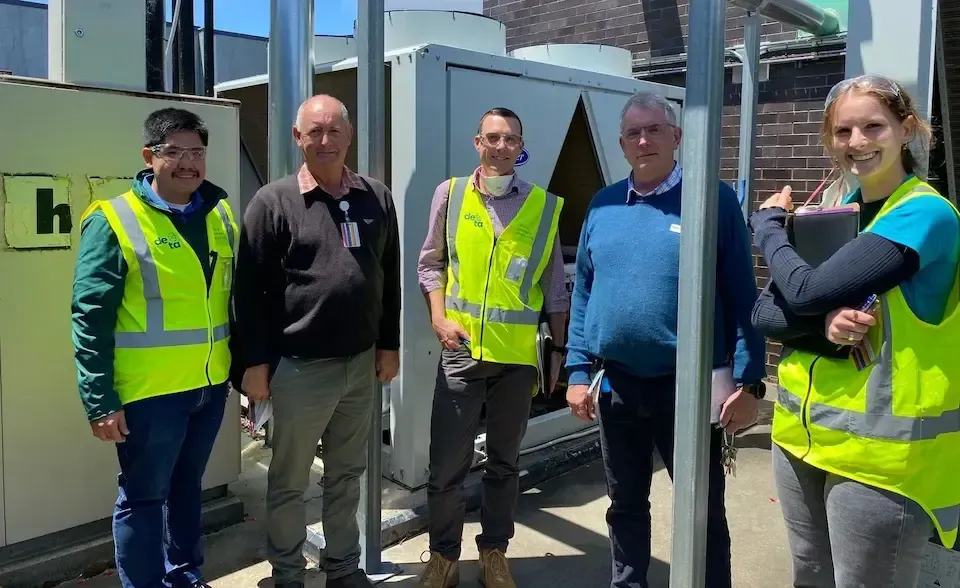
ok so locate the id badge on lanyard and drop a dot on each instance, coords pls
(349, 230)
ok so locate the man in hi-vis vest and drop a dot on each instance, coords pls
(491, 263)
(151, 295)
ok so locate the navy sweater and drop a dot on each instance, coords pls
(624, 307)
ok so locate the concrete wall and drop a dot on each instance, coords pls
(791, 101)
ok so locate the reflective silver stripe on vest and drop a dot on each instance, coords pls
(226, 223)
(155, 335)
(539, 247)
(878, 422)
(496, 315)
(454, 208)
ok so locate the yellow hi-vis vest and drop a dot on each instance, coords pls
(172, 334)
(896, 424)
(493, 284)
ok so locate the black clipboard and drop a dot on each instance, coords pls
(816, 234)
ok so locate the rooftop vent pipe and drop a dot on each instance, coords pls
(796, 13)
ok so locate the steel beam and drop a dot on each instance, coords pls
(371, 161)
(749, 96)
(703, 111)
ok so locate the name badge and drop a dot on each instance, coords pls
(349, 231)
(516, 268)
(675, 229)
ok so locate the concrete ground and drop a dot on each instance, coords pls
(561, 537)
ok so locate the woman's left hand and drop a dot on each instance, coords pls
(846, 326)
(782, 199)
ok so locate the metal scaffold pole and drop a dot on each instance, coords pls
(749, 95)
(698, 253)
(371, 160)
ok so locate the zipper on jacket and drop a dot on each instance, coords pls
(215, 257)
(804, 405)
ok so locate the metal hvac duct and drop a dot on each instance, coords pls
(796, 13)
(290, 74)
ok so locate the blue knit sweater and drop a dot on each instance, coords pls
(624, 307)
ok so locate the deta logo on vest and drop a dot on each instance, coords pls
(172, 241)
(476, 220)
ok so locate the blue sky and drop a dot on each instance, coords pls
(332, 17)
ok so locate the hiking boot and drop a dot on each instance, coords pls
(494, 570)
(439, 573)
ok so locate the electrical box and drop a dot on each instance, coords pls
(64, 145)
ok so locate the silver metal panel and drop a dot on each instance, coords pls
(419, 163)
(85, 37)
(23, 39)
(545, 121)
(239, 56)
(896, 39)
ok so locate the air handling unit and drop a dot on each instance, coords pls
(443, 70)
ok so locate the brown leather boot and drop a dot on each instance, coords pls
(494, 570)
(439, 573)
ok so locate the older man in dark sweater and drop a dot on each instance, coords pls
(318, 296)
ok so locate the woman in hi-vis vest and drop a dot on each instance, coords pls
(866, 426)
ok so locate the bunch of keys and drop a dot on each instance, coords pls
(729, 454)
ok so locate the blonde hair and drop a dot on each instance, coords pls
(894, 97)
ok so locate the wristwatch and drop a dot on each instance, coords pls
(758, 390)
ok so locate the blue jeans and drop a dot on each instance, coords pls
(156, 522)
(636, 417)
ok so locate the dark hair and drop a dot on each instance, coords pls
(166, 121)
(894, 97)
(502, 112)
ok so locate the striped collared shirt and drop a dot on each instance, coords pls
(668, 184)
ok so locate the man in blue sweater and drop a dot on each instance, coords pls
(624, 319)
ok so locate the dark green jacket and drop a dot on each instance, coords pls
(98, 284)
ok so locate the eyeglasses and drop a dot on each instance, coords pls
(175, 153)
(493, 140)
(882, 83)
(633, 135)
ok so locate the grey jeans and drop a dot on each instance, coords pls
(326, 401)
(844, 534)
(463, 387)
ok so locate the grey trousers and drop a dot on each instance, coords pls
(463, 387)
(844, 534)
(318, 400)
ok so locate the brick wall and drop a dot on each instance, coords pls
(788, 147)
(649, 28)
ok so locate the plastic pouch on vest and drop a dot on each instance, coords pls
(515, 268)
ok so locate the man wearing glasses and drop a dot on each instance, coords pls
(151, 295)
(623, 319)
(490, 266)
